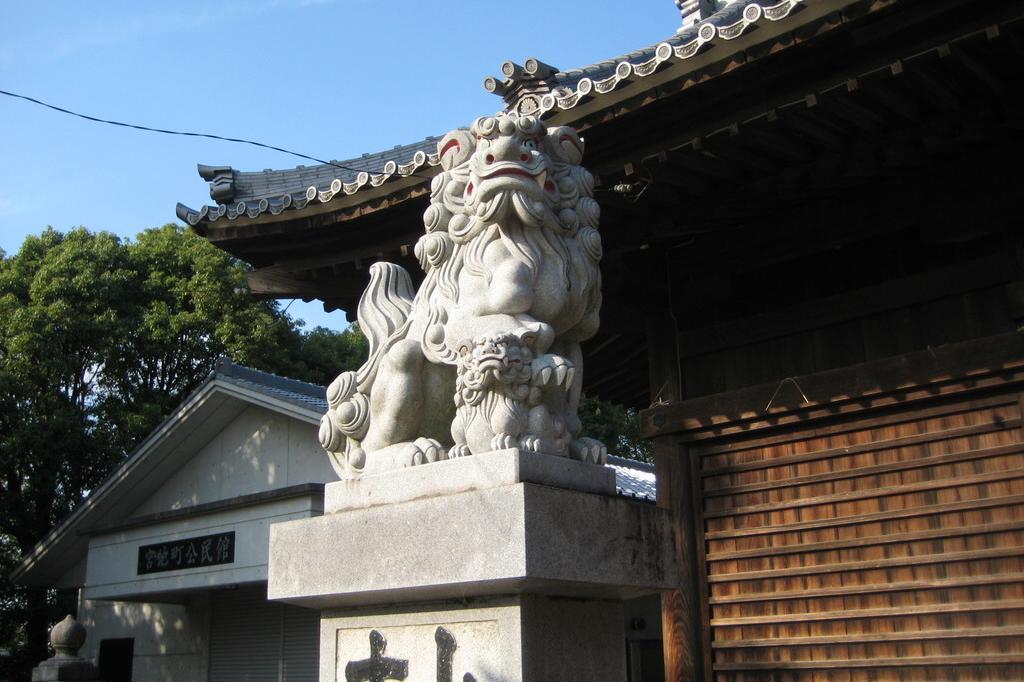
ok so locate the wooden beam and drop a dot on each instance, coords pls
(971, 662)
(728, 145)
(893, 295)
(351, 254)
(687, 182)
(965, 367)
(278, 282)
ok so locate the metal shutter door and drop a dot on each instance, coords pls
(301, 646)
(245, 636)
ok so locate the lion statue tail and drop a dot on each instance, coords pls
(383, 315)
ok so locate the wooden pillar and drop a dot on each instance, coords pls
(684, 610)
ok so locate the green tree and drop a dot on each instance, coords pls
(99, 340)
(188, 307)
(62, 298)
(324, 353)
(617, 427)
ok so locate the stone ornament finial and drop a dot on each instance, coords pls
(486, 354)
(66, 638)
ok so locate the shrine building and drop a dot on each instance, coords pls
(813, 267)
(813, 287)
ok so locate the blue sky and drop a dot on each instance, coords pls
(328, 78)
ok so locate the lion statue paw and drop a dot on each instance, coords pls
(531, 442)
(425, 451)
(589, 450)
(552, 371)
(503, 441)
(459, 450)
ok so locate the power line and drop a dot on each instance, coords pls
(191, 134)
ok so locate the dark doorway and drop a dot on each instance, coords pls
(116, 659)
(645, 660)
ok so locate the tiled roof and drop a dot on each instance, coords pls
(291, 390)
(566, 89)
(632, 478)
(693, 11)
(537, 91)
(271, 191)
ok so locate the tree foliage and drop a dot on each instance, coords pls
(323, 353)
(616, 426)
(100, 339)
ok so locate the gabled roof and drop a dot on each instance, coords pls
(540, 90)
(298, 393)
(229, 389)
(206, 411)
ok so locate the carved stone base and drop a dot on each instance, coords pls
(65, 670)
(511, 539)
(524, 580)
(515, 638)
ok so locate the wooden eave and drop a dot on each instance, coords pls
(730, 175)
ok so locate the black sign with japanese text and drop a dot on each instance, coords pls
(208, 550)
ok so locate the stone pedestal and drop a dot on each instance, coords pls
(66, 638)
(481, 568)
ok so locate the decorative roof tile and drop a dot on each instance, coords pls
(535, 88)
(273, 191)
(565, 90)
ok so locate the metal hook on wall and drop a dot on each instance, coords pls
(778, 388)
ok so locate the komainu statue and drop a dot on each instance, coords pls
(486, 355)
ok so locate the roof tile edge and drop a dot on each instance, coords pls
(730, 22)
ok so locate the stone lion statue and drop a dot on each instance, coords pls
(486, 355)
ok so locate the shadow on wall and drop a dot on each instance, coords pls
(168, 640)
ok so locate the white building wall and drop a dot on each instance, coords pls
(170, 640)
(260, 450)
(112, 566)
(307, 461)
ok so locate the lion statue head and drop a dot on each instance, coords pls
(509, 166)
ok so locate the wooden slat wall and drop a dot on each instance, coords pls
(886, 549)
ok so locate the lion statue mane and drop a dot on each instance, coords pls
(486, 354)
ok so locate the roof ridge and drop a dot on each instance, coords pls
(383, 155)
(618, 460)
(225, 367)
